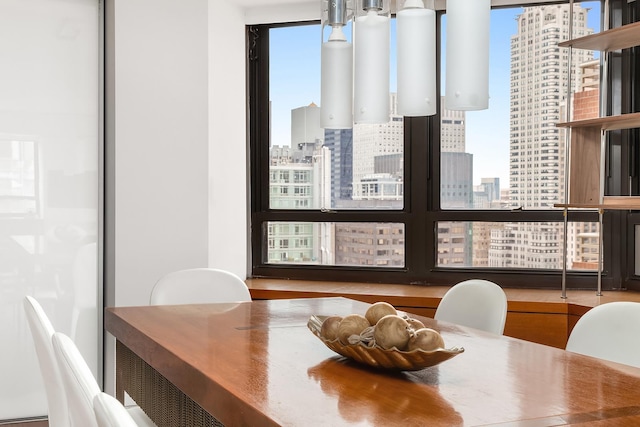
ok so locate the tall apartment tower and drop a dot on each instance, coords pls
(539, 82)
(538, 87)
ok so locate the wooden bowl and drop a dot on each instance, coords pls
(380, 358)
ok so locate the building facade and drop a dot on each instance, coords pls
(539, 82)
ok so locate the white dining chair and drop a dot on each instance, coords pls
(42, 331)
(81, 387)
(110, 412)
(199, 285)
(476, 303)
(609, 331)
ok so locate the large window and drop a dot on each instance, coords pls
(428, 199)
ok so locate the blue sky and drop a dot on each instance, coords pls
(295, 82)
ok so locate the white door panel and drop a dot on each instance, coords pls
(49, 185)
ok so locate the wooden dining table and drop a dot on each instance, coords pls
(258, 364)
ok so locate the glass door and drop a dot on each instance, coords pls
(50, 194)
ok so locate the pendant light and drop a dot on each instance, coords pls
(371, 67)
(416, 50)
(467, 73)
(336, 92)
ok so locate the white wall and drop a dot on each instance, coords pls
(161, 143)
(228, 194)
(157, 136)
(267, 12)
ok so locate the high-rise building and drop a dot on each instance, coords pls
(456, 187)
(339, 142)
(538, 86)
(539, 82)
(305, 124)
(370, 244)
(586, 98)
(297, 180)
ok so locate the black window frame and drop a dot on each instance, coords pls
(420, 214)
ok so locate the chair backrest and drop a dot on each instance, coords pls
(476, 303)
(199, 285)
(80, 385)
(42, 331)
(609, 331)
(110, 412)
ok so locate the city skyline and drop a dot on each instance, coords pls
(311, 174)
(295, 82)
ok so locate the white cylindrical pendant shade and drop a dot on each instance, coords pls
(416, 50)
(371, 69)
(336, 92)
(467, 72)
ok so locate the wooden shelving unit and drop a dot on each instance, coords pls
(587, 144)
(588, 136)
(585, 181)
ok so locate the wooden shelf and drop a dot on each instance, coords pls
(622, 37)
(578, 206)
(622, 202)
(609, 203)
(621, 121)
